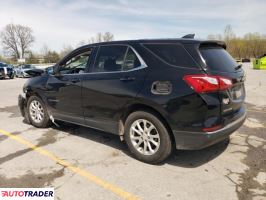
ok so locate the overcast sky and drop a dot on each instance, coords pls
(63, 22)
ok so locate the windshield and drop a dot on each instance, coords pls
(218, 59)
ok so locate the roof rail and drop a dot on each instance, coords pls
(191, 36)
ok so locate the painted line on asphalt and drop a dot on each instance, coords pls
(258, 111)
(82, 172)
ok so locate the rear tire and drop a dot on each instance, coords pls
(37, 112)
(147, 137)
(12, 76)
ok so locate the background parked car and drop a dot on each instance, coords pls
(35, 72)
(245, 60)
(22, 70)
(6, 71)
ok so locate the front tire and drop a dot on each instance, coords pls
(37, 112)
(147, 137)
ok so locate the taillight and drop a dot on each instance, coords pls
(211, 129)
(205, 83)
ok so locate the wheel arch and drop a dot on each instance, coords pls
(31, 92)
(142, 107)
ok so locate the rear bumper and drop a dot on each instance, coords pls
(200, 140)
(4, 75)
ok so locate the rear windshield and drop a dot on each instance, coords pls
(218, 59)
(172, 54)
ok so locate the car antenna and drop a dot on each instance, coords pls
(190, 36)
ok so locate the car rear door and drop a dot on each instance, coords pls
(219, 62)
(114, 80)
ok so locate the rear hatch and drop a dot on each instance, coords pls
(219, 62)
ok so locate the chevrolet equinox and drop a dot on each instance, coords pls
(156, 95)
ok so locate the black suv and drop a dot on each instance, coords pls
(156, 95)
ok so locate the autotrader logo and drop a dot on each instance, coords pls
(27, 193)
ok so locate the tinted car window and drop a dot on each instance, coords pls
(3, 65)
(131, 60)
(172, 54)
(76, 64)
(218, 59)
(110, 58)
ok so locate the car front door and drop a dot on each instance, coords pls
(64, 87)
(114, 80)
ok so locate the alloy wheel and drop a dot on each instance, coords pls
(36, 111)
(144, 137)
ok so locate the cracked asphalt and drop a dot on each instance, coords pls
(234, 169)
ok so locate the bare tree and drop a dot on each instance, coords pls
(99, 37)
(81, 43)
(44, 50)
(91, 40)
(228, 33)
(25, 38)
(32, 58)
(215, 37)
(51, 57)
(17, 39)
(10, 40)
(250, 46)
(256, 44)
(108, 37)
(66, 49)
(102, 37)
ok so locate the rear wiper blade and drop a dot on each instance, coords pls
(238, 66)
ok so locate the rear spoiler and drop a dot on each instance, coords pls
(213, 43)
(189, 36)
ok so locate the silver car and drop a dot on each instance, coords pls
(21, 71)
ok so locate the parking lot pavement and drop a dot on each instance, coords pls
(82, 163)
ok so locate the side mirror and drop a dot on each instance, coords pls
(49, 70)
(56, 71)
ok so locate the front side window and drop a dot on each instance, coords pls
(115, 58)
(76, 64)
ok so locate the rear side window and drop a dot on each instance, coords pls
(218, 59)
(131, 60)
(172, 54)
(116, 58)
(110, 58)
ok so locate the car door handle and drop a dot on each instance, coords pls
(127, 78)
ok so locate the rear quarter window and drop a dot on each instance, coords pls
(172, 54)
(218, 59)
